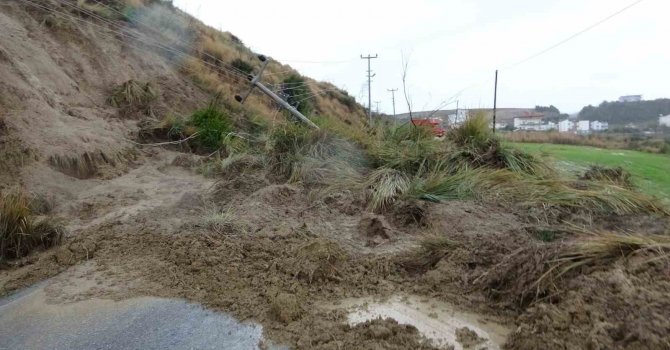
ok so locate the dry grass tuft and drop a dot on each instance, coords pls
(385, 185)
(601, 248)
(133, 94)
(617, 176)
(536, 272)
(225, 223)
(20, 233)
(431, 250)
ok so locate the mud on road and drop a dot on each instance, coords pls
(275, 255)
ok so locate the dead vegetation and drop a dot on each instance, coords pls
(617, 176)
(20, 231)
(133, 96)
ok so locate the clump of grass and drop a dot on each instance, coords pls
(590, 197)
(133, 93)
(20, 232)
(385, 185)
(225, 223)
(617, 176)
(602, 248)
(430, 251)
(235, 165)
(406, 148)
(475, 131)
(535, 272)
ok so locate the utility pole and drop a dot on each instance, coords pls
(495, 101)
(378, 102)
(370, 76)
(256, 82)
(392, 91)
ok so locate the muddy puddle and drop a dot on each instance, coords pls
(441, 322)
(29, 320)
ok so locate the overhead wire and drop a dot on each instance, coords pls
(575, 35)
(154, 44)
(189, 46)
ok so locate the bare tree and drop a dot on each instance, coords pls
(408, 98)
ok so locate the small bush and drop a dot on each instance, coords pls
(242, 65)
(212, 125)
(20, 234)
(297, 93)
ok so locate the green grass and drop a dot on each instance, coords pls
(651, 172)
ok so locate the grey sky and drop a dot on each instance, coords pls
(457, 44)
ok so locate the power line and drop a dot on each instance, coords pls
(573, 36)
(141, 39)
(156, 32)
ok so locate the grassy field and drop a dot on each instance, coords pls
(651, 171)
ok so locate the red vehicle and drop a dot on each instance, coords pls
(434, 124)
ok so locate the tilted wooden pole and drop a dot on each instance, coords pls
(256, 83)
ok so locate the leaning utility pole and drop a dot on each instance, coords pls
(370, 75)
(255, 82)
(495, 102)
(392, 91)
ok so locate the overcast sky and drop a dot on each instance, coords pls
(453, 45)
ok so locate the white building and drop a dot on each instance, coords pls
(664, 120)
(599, 126)
(630, 98)
(529, 123)
(583, 126)
(566, 125)
(552, 126)
(458, 118)
(500, 126)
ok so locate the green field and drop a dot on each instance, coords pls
(651, 172)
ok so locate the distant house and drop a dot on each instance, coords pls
(529, 122)
(457, 118)
(583, 126)
(501, 125)
(566, 125)
(630, 98)
(599, 126)
(664, 120)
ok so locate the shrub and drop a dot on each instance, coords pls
(242, 65)
(212, 125)
(20, 234)
(296, 93)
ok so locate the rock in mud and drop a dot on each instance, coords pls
(286, 308)
(468, 338)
